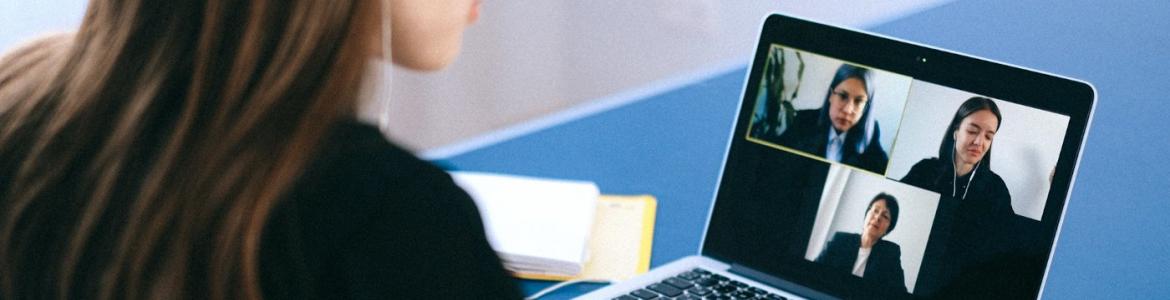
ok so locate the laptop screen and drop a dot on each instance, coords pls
(862, 165)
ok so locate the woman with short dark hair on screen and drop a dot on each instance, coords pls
(867, 255)
(975, 205)
(212, 150)
(844, 128)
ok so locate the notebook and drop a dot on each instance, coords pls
(535, 225)
(552, 229)
(620, 243)
(862, 166)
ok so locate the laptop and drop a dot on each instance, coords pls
(862, 166)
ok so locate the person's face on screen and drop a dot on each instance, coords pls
(974, 136)
(427, 34)
(847, 103)
(877, 220)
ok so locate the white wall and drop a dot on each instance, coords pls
(527, 59)
(21, 20)
(1024, 151)
(843, 207)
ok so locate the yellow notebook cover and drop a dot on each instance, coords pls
(619, 246)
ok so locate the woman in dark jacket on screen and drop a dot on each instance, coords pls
(843, 129)
(975, 209)
(868, 255)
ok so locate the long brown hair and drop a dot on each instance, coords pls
(141, 156)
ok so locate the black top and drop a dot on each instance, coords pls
(973, 232)
(807, 136)
(369, 220)
(981, 206)
(883, 266)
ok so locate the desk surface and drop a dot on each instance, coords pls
(1115, 242)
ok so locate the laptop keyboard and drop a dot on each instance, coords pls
(699, 284)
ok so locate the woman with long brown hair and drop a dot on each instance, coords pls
(211, 149)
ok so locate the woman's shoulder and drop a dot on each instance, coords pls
(888, 246)
(928, 163)
(803, 128)
(807, 117)
(846, 237)
(392, 216)
(354, 137)
(924, 168)
(923, 173)
(995, 186)
(840, 245)
(358, 174)
(361, 149)
(994, 179)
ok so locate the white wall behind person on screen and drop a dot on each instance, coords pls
(843, 207)
(1023, 153)
(890, 90)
